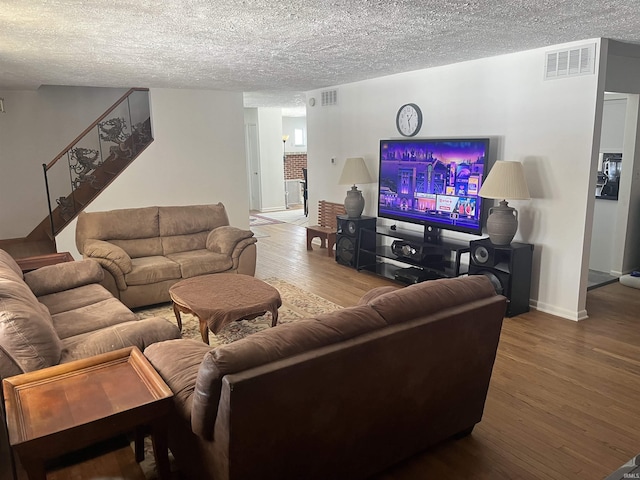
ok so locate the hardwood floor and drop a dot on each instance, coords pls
(564, 400)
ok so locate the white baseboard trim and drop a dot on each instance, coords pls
(272, 209)
(576, 316)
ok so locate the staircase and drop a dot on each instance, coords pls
(88, 165)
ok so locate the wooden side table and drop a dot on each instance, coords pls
(32, 263)
(67, 407)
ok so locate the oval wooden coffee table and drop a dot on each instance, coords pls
(221, 298)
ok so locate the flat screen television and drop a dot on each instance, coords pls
(433, 182)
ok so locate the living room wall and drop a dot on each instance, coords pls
(36, 127)
(197, 157)
(547, 125)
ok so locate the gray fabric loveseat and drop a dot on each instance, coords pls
(144, 251)
(339, 396)
(61, 313)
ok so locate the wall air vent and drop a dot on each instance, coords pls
(329, 97)
(570, 62)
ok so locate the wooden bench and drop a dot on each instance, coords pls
(327, 225)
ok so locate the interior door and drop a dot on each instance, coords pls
(253, 166)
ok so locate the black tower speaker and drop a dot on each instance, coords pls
(509, 269)
(348, 236)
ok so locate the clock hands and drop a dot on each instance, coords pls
(408, 114)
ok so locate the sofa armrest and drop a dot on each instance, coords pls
(108, 251)
(224, 239)
(112, 258)
(178, 363)
(250, 260)
(63, 276)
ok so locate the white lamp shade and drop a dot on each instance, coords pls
(505, 181)
(354, 172)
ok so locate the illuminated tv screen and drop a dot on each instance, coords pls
(433, 182)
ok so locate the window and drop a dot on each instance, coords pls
(298, 137)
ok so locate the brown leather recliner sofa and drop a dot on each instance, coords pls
(58, 314)
(144, 251)
(340, 396)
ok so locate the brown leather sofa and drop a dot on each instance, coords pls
(58, 314)
(340, 396)
(144, 251)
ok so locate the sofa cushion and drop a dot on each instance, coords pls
(182, 220)
(139, 333)
(184, 243)
(353, 321)
(272, 344)
(178, 362)
(224, 239)
(376, 292)
(63, 276)
(75, 298)
(120, 224)
(91, 317)
(148, 270)
(416, 301)
(140, 247)
(292, 338)
(200, 262)
(27, 336)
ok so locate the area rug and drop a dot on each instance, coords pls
(257, 220)
(294, 216)
(296, 304)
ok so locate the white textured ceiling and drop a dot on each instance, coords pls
(274, 49)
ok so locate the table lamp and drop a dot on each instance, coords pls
(504, 182)
(354, 171)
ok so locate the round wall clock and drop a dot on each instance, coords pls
(409, 119)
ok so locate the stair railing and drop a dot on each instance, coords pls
(96, 157)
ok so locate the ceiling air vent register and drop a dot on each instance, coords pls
(570, 62)
(329, 97)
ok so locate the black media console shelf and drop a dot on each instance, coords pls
(406, 256)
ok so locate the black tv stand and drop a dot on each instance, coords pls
(409, 257)
(410, 275)
(431, 234)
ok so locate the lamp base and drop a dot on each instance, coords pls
(354, 203)
(502, 223)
